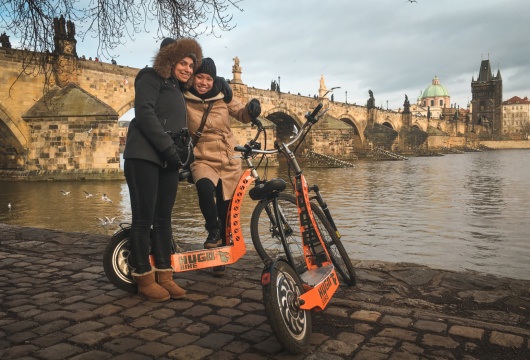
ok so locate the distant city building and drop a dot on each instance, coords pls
(516, 117)
(486, 99)
(433, 99)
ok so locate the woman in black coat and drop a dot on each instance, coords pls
(152, 163)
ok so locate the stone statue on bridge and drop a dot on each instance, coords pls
(406, 105)
(4, 41)
(236, 72)
(236, 66)
(370, 104)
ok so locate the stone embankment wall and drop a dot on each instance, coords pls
(72, 144)
(438, 142)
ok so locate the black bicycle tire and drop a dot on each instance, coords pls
(339, 256)
(115, 263)
(337, 253)
(291, 325)
(266, 239)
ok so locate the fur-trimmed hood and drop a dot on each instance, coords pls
(169, 55)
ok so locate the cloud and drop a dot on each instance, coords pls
(392, 47)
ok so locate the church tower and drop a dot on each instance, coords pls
(486, 99)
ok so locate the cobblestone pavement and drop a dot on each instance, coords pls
(56, 303)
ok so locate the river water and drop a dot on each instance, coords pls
(457, 212)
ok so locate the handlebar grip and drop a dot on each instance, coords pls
(241, 148)
(317, 109)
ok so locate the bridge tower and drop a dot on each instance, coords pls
(486, 99)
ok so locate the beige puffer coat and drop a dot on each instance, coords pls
(214, 152)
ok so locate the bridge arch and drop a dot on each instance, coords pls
(284, 120)
(388, 123)
(16, 128)
(13, 142)
(357, 132)
(128, 105)
(419, 126)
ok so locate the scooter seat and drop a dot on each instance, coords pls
(262, 190)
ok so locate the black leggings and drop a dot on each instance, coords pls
(213, 207)
(152, 190)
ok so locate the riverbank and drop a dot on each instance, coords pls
(56, 303)
(508, 144)
(61, 175)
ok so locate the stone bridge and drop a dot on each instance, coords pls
(61, 126)
(65, 119)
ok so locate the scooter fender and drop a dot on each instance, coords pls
(266, 273)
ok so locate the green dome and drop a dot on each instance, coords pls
(435, 90)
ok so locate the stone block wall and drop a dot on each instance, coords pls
(439, 142)
(73, 144)
(112, 84)
(337, 143)
(244, 133)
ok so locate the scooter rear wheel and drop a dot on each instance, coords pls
(291, 325)
(116, 262)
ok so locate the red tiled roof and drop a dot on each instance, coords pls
(516, 100)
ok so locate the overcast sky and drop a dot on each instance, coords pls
(392, 47)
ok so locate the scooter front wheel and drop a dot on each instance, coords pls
(116, 262)
(282, 288)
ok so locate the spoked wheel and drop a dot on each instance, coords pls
(265, 232)
(290, 324)
(116, 262)
(337, 253)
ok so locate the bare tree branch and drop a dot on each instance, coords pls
(112, 22)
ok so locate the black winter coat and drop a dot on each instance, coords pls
(159, 107)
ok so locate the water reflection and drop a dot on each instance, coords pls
(467, 211)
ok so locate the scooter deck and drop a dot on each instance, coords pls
(207, 258)
(313, 277)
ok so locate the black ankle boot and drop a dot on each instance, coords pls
(213, 240)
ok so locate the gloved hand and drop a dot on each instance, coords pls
(171, 156)
(223, 86)
(185, 174)
(257, 122)
(254, 108)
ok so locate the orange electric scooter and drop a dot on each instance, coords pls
(295, 236)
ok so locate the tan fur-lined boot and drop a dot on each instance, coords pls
(148, 288)
(164, 278)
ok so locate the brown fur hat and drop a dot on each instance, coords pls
(168, 56)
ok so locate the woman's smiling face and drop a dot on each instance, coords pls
(184, 69)
(202, 83)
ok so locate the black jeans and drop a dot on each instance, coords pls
(153, 191)
(213, 207)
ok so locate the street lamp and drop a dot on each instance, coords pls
(330, 90)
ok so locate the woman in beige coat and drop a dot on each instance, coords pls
(215, 171)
